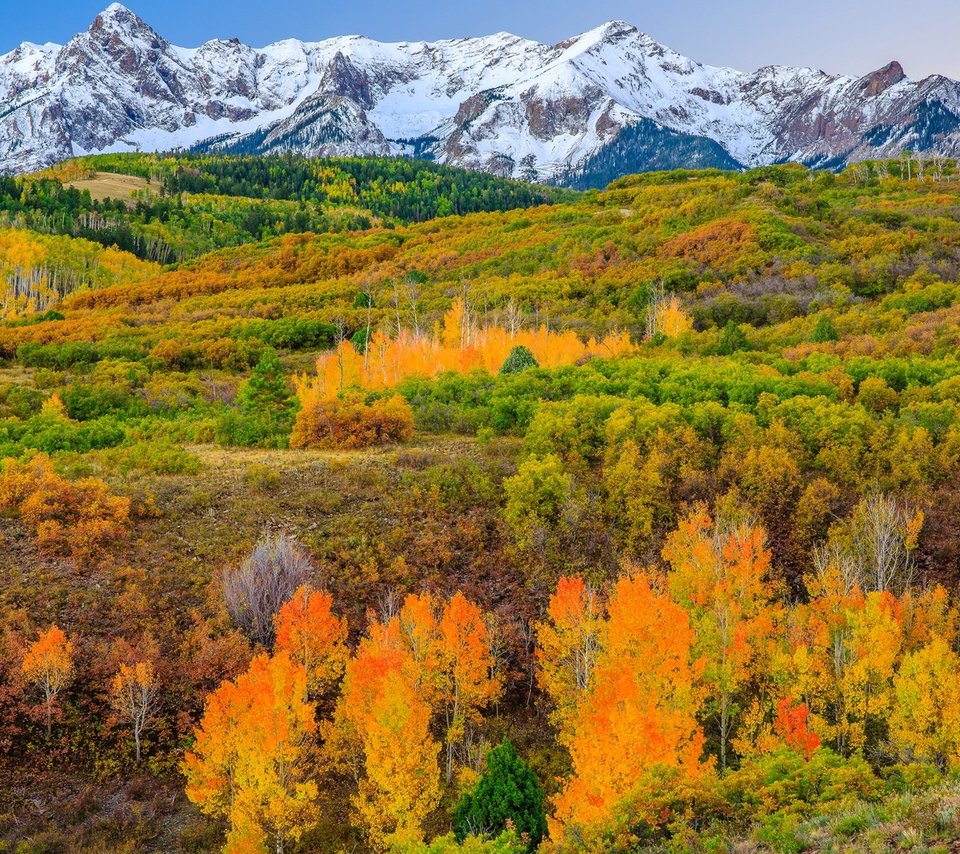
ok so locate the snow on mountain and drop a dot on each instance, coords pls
(610, 100)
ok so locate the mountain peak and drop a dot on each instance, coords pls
(882, 79)
(612, 31)
(118, 18)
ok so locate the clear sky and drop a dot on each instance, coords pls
(839, 36)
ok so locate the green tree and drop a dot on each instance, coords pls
(507, 791)
(732, 338)
(266, 392)
(266, 408)
(824, 331)
(520, 359)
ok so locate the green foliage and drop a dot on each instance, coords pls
(784, 783)
(536, 497)
(506, 843)
(824, 331)
(732, 339)
(508, 791)
(520, 359)
(267, 392)
(198, 202)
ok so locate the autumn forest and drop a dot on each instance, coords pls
(376, 506)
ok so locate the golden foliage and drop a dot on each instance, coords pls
(250, 760)
(640, 712)
(79, 518)
(348, 422)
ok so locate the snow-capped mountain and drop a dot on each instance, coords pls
(610, 101)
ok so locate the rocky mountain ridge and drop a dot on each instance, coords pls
(607, 102)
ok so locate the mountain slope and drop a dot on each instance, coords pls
(500, 103)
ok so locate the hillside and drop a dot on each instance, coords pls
(658, 482)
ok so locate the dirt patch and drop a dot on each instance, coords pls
(106, 185)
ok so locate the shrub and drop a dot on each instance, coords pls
(256, 590)
(786, 783)
(732, 338)
(79, 518)
(289, 333)
(876, 395)
(87, 402)
(508, 793)
(349, 422)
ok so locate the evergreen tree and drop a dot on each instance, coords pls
(824, 331)
(507, 791)
(266, 392)
(732, 338)
(520, 359)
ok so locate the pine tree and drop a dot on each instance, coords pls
(508, 791)
(266, 392)
(520, 359)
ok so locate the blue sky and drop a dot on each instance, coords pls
(841, 36)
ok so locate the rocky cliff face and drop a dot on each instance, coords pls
(610, 99)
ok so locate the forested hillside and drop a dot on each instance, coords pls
(191, 204)
(506, 520)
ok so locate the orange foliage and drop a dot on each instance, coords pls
(567, 647)
(79, 518)
(314, 636)
(640, 714)
(250, 761)
(48, 664)
(349, 422)
(430, 664)
(456, 345)
(720, 577)
(384, 707)
(791, 726)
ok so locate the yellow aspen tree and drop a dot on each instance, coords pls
(134, 695)
(925, 719)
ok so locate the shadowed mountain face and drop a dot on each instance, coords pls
(610, 101)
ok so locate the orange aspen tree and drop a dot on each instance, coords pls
(134, 694)
(720, 577)
(640, 712)
(250, 763)
(466, 680)
(568, 644)
(791, 726)
(48, 664)
(384, 709)
(457, 344)
(452, 662)
(314, 636)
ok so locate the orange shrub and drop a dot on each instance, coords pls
(79, 518)
(349, 422)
